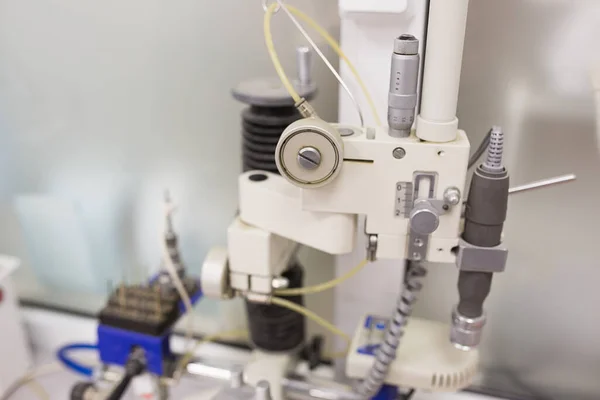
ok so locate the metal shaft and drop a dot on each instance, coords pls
(295, 386)
(543, 183)
(303, 64)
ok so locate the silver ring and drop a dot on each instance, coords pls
(266, 4)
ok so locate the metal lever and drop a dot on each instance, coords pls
(542, 183)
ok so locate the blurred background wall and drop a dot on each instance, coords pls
(104, 105)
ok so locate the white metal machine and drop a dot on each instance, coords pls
(408, 181)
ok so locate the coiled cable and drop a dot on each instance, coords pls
(395, 330)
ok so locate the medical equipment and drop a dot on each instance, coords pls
(409, 184)
(136, 325)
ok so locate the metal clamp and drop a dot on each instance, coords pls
(418, 245)
(481, 259)
(372, 248)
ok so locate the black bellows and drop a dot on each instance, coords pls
(261, 129)
(272, 328)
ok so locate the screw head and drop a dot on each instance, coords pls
(345, 132)
(399, 153)
(452, 196)
(309, 158)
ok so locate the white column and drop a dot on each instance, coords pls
(437, 120)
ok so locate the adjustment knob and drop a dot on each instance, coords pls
(424, 218)
(215, 274)
(310, 153)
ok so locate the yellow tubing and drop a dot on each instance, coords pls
(318, 319)
(322, 286)
(327, 37)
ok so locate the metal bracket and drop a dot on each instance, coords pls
(481, 259)
(417, 246)
(440, 205)
(372, 248)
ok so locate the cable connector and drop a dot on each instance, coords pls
(305, 109)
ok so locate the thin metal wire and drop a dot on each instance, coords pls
(325, 60)
(543, 183)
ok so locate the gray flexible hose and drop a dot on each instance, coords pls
(387, 352)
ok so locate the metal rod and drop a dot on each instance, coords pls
(325, 60)
(303, 65)
(543, 183)
(295, 386)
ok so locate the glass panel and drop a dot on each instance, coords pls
(104, 105)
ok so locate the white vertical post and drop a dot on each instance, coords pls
(437, 120)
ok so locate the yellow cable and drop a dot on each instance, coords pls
(273, 53)
(38, 389)
(338, 50)
(322, 286)
(240, 333)
(318, 319)
(328, 38)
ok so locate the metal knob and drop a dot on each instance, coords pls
(237, 377)
(263, 391)
(424, 218)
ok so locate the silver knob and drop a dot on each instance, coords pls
(452, 196)
(263, 391)
(465, 333)
(237, 377)
(424, 218)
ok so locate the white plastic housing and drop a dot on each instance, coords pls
(215, 274)
(370, 6)
(425, 360)
(437, 120)
(256, 256)
(275, 205)
(367, 185)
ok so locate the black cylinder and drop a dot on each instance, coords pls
(486, 208)
(473, 289)
(485, 213)
(261, 129)
(275, 328)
